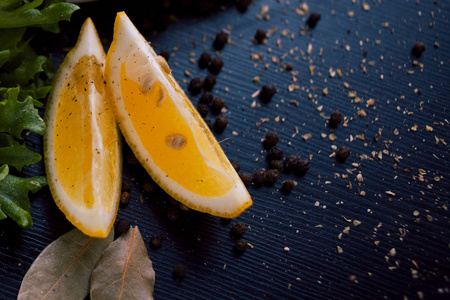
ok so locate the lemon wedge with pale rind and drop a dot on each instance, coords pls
(165, 131)
(82, 147)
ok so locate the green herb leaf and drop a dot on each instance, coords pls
(124, 271)
(13, 16)
(16, 154)
(63, 269)
(15, 116)
(14, 200)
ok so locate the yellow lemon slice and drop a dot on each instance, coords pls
(82, 146)
(165, 131)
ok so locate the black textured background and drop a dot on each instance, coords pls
(376, 62)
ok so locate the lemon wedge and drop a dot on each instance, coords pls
(165, 131)
(82, 148)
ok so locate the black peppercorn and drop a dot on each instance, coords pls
(220, 123)
(271, 139)
(313, 19)
(125, 198)
(173, 213)
(242, 5)
(418, 49)
(238, 230)
(335, 119)
(209, 82)
(149, 186)
(206, 98)
(122, 226)
(204, 60)
(216, 65)
(267, 92)
(131, 159)
(217, 105)
(156, 240)
(240, 246)
(275, 153)
(246, 178)
(289, 67)
(272, 176)
(220, 40)
(260, 35)
(288, 185)
(165, 54)
(195, 85)
(235, 165)
(179, 272)
(276, 164)
(290, 162)
(303, 166)
(259, 177)
(342, 153)
(203, 109)
(126, 186)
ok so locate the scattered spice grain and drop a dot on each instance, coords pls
(203, 109)
(122, 226)
(313, 19)
(259, 177)
(335, 119)
(267, 92)
(217, 104)
(220, 123)
(288, 185)
(235, 165)
(206, 97)
(275, 153)
(165, 54)
(276, 164)
(209, 82)
(204, 60)
(303, 166)
(290, 163)
(272, 176)
(260, 35)
(342, 153)
(220, 40)
(195, 85)
(238, 230)
(246, 178)
(216, 65)
(156, 240)
(240, 246)
(271, 139)
(179, 272)
(125, 198)
(418, 48)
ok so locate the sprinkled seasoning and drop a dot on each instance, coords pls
(195, 85)
(267, 92)
(272, 176)
(156, 240)
(288, 185)
(238, 230)
(217, 105)
(165, 54)
(275, 153)
(342, 153)
(259, 177)
(220, 40)
(260, 35)
(335, 119)
(203, 109)
(216, 65)
(276, 164)
(240, 246)
(313, 19)
(125, 198)
(220, 123)
(179, 272)
(243, 5)
(122, 226)
(271, 139)
(206, 98)
(418, 48)
(204, 60)
(290, 163)
(235, 165)
(302, 166)
(246, 178)
(209, 82)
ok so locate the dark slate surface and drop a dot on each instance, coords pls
(318, 217)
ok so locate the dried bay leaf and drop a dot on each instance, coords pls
(124, 271)
(63, 269)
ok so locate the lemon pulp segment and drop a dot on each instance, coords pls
(173, 142)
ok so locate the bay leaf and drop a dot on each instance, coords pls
(63, 269)
(124, 271)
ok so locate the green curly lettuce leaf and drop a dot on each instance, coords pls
(15, 13)
(16, 154)
(16, 116)
(14, 202)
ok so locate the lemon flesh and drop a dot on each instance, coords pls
(165, 131)
(82, 143)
